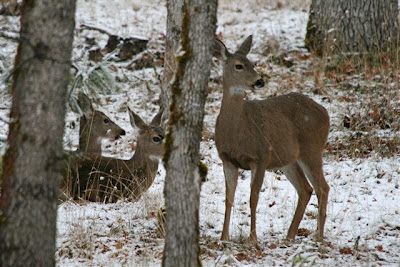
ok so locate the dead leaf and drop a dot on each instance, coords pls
(215, 245)
(303, 232)
(105, 249)
(346, 251)
(330, 75)
(260, 253)
(380, 175)
(273, 246)
(133, 147)
(375, 115)
(241, 256)
(345, 99)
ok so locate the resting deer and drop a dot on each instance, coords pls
(287, 132)
(94, 125)
(102, 179)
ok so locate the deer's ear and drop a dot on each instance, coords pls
(85, 104)
(156, 121)
(245, 46)
(136, 121)
(220, 50)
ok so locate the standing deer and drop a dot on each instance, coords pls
(94, 125)
(102, 179)
(287, 132)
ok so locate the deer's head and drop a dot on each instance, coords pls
(94, 124)
(239, 73)
(151, 136)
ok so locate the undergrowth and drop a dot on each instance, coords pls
(367, 87)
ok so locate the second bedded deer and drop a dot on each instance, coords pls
(103, 179)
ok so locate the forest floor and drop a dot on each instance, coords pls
(361, 159)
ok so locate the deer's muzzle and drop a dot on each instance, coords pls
(259, 83)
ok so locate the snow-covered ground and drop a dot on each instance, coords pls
(363, 222)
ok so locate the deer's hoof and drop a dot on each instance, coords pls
(225, 237)
(319, 238)
(253, 240)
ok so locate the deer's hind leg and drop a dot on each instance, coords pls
(297, 178)
(312, 167)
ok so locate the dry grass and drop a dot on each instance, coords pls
(367, 86)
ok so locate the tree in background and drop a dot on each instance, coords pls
(174, 26)
(33, 160)
(337, 26)
(196, 32)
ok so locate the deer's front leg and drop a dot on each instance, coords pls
(257, 178)
(231, 177)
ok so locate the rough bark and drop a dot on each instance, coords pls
(337, 26)
(174, 25)
(181, 159)
(33, 160)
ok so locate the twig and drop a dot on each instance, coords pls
(90, 27)
(13, 36)
(4, 120)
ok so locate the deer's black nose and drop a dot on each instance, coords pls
(259, 83)
(122, 132)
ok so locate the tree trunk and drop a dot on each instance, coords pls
(336, 26)
(33, 160)
(174, 25)
(181, 159)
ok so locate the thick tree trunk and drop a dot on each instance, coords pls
(33, 160)
(337, 26)
(174, 26)
(189, 91)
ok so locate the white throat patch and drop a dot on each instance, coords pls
(236, 90)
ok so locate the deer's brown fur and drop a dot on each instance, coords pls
(94, 126)
(287, 132)
(103, 179)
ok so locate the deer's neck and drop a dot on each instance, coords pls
(232, 102)
(88, 142)
(144, 164)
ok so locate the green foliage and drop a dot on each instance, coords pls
(100, 80)
(92, 80)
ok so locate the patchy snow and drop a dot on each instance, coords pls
(363, 222)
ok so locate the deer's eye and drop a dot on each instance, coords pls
(239, 66)
(157, 139)
(106, 120)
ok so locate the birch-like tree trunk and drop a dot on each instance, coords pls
(188, 95)
(33, 160)
(337, 26)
